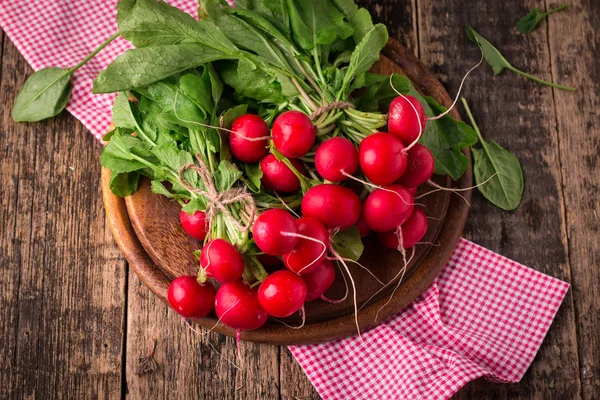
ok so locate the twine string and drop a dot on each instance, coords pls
(218, 201)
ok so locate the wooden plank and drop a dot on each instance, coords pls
(189, 363)
(64, 274)
(400, 17)
(519, 114)
(574, 63)
(9, 244)
(294, 383)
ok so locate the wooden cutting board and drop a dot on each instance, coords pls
(146, 228)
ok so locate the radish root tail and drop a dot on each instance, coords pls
(334, 301)
(319, 257)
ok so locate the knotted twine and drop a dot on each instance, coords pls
(218, 201)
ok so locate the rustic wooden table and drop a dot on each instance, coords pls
(75, 320)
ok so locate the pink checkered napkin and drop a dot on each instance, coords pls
(484, 316)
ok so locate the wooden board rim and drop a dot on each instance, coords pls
(413, 285)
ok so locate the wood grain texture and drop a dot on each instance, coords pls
(562, 182)
(189, 363)
(63, 304)
(574, 61)
(520, 115)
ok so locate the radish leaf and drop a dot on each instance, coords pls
(499, 63)
(445, 137)
(151, 23)
(316, 22)
(365, 54)
(141, 67)
(497, 171)
(348, 244)
(252, 177)
(44, 94)
(530, 21)
(124, 184)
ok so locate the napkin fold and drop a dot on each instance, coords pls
(484, 315)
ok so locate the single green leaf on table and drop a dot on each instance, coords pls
(497, 171)
(123, 184)
(499, 63)
(47, 91)
(43, 95)
(348, 244)
(530, 21)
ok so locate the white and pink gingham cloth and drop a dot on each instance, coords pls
(484, 316)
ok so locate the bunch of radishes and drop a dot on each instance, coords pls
(393, 165)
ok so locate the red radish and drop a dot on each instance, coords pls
(307, 254)
(406, 118)
(387, 208)
(293, 134)
(413, 230)
(282, 293)
(319, 281)
(419, 166)
(362, 226)
(412, 190)
(274, 232)
(279, 177)
(335, 206)
(236, 305)
(334, 157)
(194, 224)
(253, 127)
(221, 260)
(190, 298)
(382, 158)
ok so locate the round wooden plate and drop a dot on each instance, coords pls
(146, 228)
